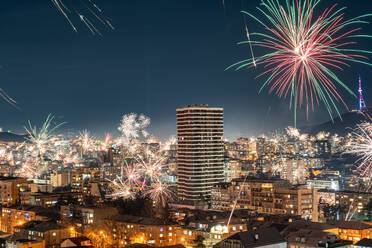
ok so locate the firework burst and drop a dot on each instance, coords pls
(132, 128)
(293, 132)
(39, 141)
(152, 165)
(361, 146)
(305, 49)
(121, 190)
(159, 193)
(87, 141)
(42, 137)
(107, 142)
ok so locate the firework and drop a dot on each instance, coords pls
(293, 132)
(121, 190)
(84, 11)
(303, 137)
(304, 50)
(361, 146)
(159, 193)
(7, 98)
(87, 141)
(322, 135)
(132, 127)
(107, 142)
(42, 137)
(40, 140)
(152, 165)
(167, 145)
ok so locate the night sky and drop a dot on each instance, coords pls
(163, 55)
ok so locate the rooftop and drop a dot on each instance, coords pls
(364, 243)
(356, 225)
(256, 238)
(141, 220)
(42, 226)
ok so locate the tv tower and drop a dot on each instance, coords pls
(362, 105)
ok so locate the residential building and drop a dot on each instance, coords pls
(126, 229)
(10, 190)
(49, 232)
(265, 196)
(12, 217)
(200, 152)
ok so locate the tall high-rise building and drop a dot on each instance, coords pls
(200, 151)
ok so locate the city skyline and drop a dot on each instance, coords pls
(147, 65)
(185, 124)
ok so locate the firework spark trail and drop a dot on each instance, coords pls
(89, 25)
(61, 7)
(90, 8)
(235, 202)
(249, 41)
(361, 146)
(305, 49)
(8, 99)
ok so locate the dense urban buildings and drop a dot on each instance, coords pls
(200, 151)
(289, 189)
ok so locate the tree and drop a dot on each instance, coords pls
(199, 242)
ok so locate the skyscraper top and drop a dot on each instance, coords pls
(197, 106)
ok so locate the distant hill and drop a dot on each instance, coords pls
(341, 127)
(11, 137)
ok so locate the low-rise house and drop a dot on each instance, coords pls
(308, 238)
(76, 242)
(49, 232)
(352, 230)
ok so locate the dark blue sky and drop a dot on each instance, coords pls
(162, 55)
